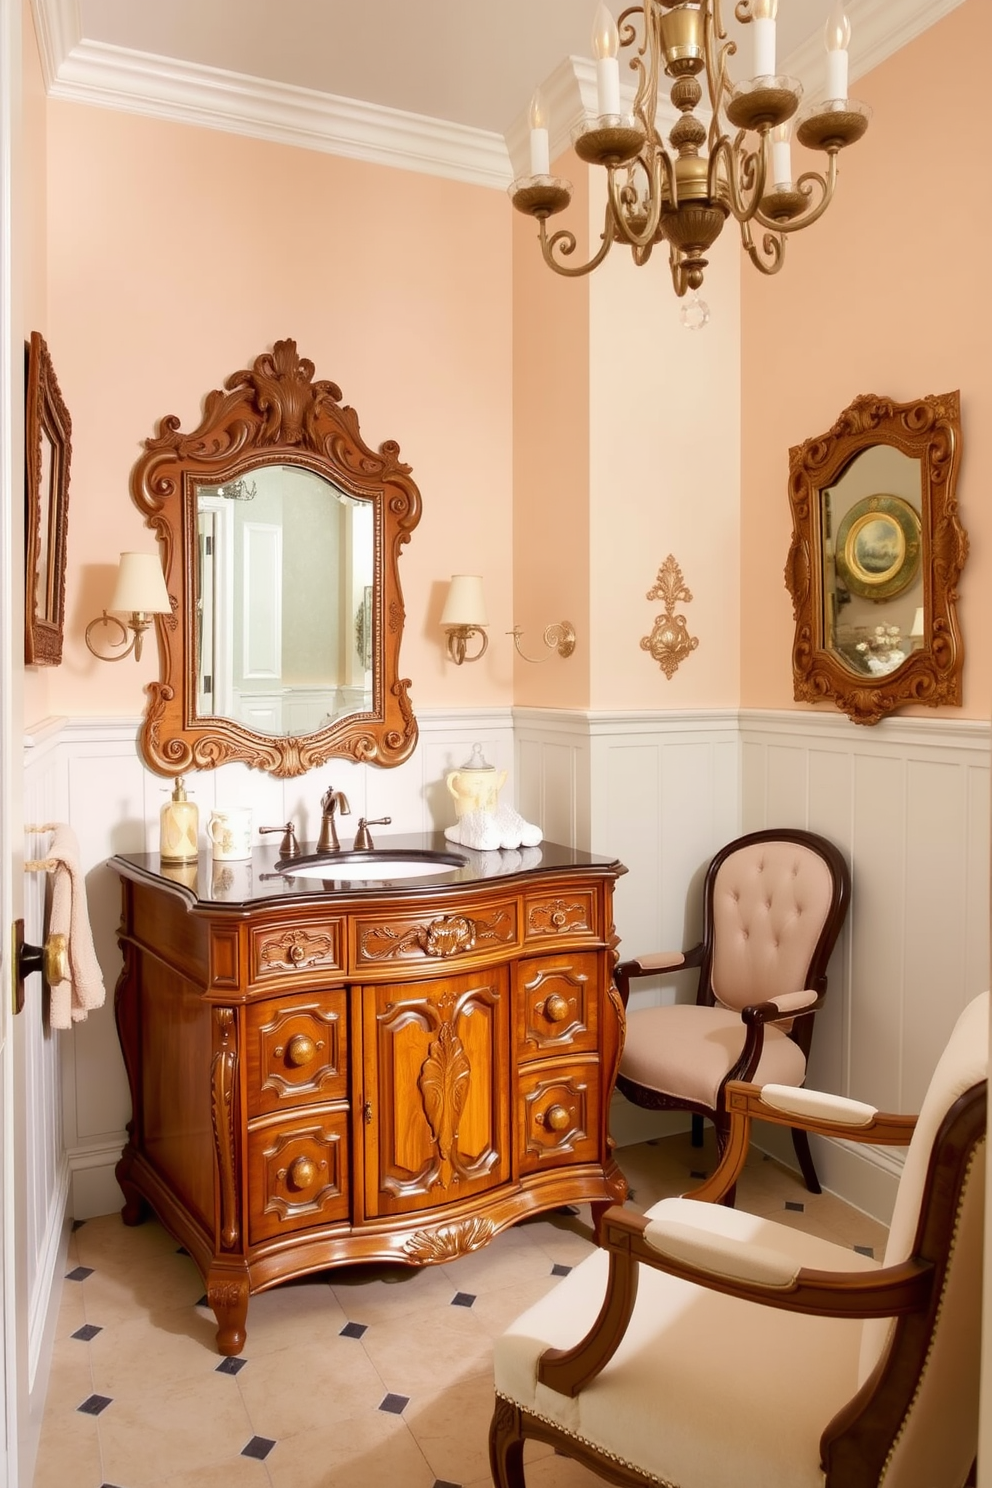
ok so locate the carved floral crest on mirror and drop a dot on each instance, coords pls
(876, 554)
(281, 531)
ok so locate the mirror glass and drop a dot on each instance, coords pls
(877, 550)
(873, 612)
(284, 576)
(281, 532)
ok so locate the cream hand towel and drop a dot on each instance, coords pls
(74, 998)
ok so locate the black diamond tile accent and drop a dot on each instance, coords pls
(866, 1250)
(353, 1330)
(566, 1209)
(652, 1141)
(77, 1224)
(631, 1195)
(79, 1273)
(259, 1447)
(694, 1174)
(559, 1270)
(201, 1301)
(87, 1331)
(443, 1483)
(795, 1207)
(232, 1365)
(394, 1404)
(94, 1404)
(463, 1299)
(181, 1250)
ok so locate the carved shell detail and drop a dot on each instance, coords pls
(449, 935)
(449, 1241)
(444, 1083)
(296, 949)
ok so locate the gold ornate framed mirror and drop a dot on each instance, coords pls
(281, 530)
(47, 453)
(877, 550)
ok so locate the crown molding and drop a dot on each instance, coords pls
(138, 82)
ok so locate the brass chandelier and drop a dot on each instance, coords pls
(738, 165)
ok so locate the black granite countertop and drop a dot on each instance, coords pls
(248, 883)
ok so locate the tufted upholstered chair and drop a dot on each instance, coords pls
(773, 906)
(706, 1348)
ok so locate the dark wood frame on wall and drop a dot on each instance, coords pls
(47, 452)
(928, 429)
(272, 413)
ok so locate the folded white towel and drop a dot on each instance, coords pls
(83, 990)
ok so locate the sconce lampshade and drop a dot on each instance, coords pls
(466, 603)
(140, 586)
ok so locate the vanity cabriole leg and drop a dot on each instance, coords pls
(227, 1296)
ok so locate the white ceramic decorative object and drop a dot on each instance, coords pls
(230, 833)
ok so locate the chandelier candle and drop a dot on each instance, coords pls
(763, 14)
(838, 39)
(606, 44)
(540, 149)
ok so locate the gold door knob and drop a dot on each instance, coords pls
(555, 1008)
(303, 1173)
(300, 1049)
(557, 1118)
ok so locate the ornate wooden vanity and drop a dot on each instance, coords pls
(340, 1072)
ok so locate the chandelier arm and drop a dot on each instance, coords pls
(772, 247)
(743, 203)
(805, 184)
(653, 168)
(717, 77)
(564, 241)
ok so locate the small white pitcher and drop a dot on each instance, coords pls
(230, 832)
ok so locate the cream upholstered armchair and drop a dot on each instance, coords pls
(773, 905)
(705, 1348)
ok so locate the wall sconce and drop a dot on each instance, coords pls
(464, 615)
(139, 594)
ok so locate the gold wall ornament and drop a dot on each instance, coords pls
(669, 642)
(735, 161)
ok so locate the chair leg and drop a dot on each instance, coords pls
(506, 1446)
(697, 1130)
(800, 1141)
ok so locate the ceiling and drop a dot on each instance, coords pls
(442, 85)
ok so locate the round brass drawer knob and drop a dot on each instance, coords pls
(556, 1118)
(555, 1008)
(302, 1173)
(300, 1049)
(559, 919)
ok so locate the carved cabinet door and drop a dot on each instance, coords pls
(436, 1103)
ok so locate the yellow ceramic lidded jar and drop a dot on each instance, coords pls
(476, 786)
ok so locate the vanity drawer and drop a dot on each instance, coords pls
(570, 916)
(558, 1113)
(296, 1051)
(392, 939)
(557, 1003)
(298, 1175)
(301, 950)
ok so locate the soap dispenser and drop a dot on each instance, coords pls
(180, 823)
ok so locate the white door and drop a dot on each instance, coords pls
(13, 1359)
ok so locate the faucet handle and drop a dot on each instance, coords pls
(288, 847)
(363, 837)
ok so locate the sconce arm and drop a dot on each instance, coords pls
(559, 638)
(138, 622)
(458, 637)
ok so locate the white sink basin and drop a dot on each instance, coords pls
(375, 867)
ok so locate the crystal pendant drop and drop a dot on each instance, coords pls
(694, 312)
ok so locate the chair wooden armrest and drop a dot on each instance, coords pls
(658, 961)
(744, 1104)
(787, 1005)
(890, 1292)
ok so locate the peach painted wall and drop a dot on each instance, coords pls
(551, 421)
(889, 293)
(32, 263)
(665, 475)
(178, 254)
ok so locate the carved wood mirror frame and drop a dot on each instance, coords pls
(928, 430)
(273, 413)
(47, 452)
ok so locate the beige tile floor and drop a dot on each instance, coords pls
(366, 1377)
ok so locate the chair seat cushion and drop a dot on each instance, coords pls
(748, 1414)
(685, 1052)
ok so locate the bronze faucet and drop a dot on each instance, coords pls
(363, 837)
(331, 802)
